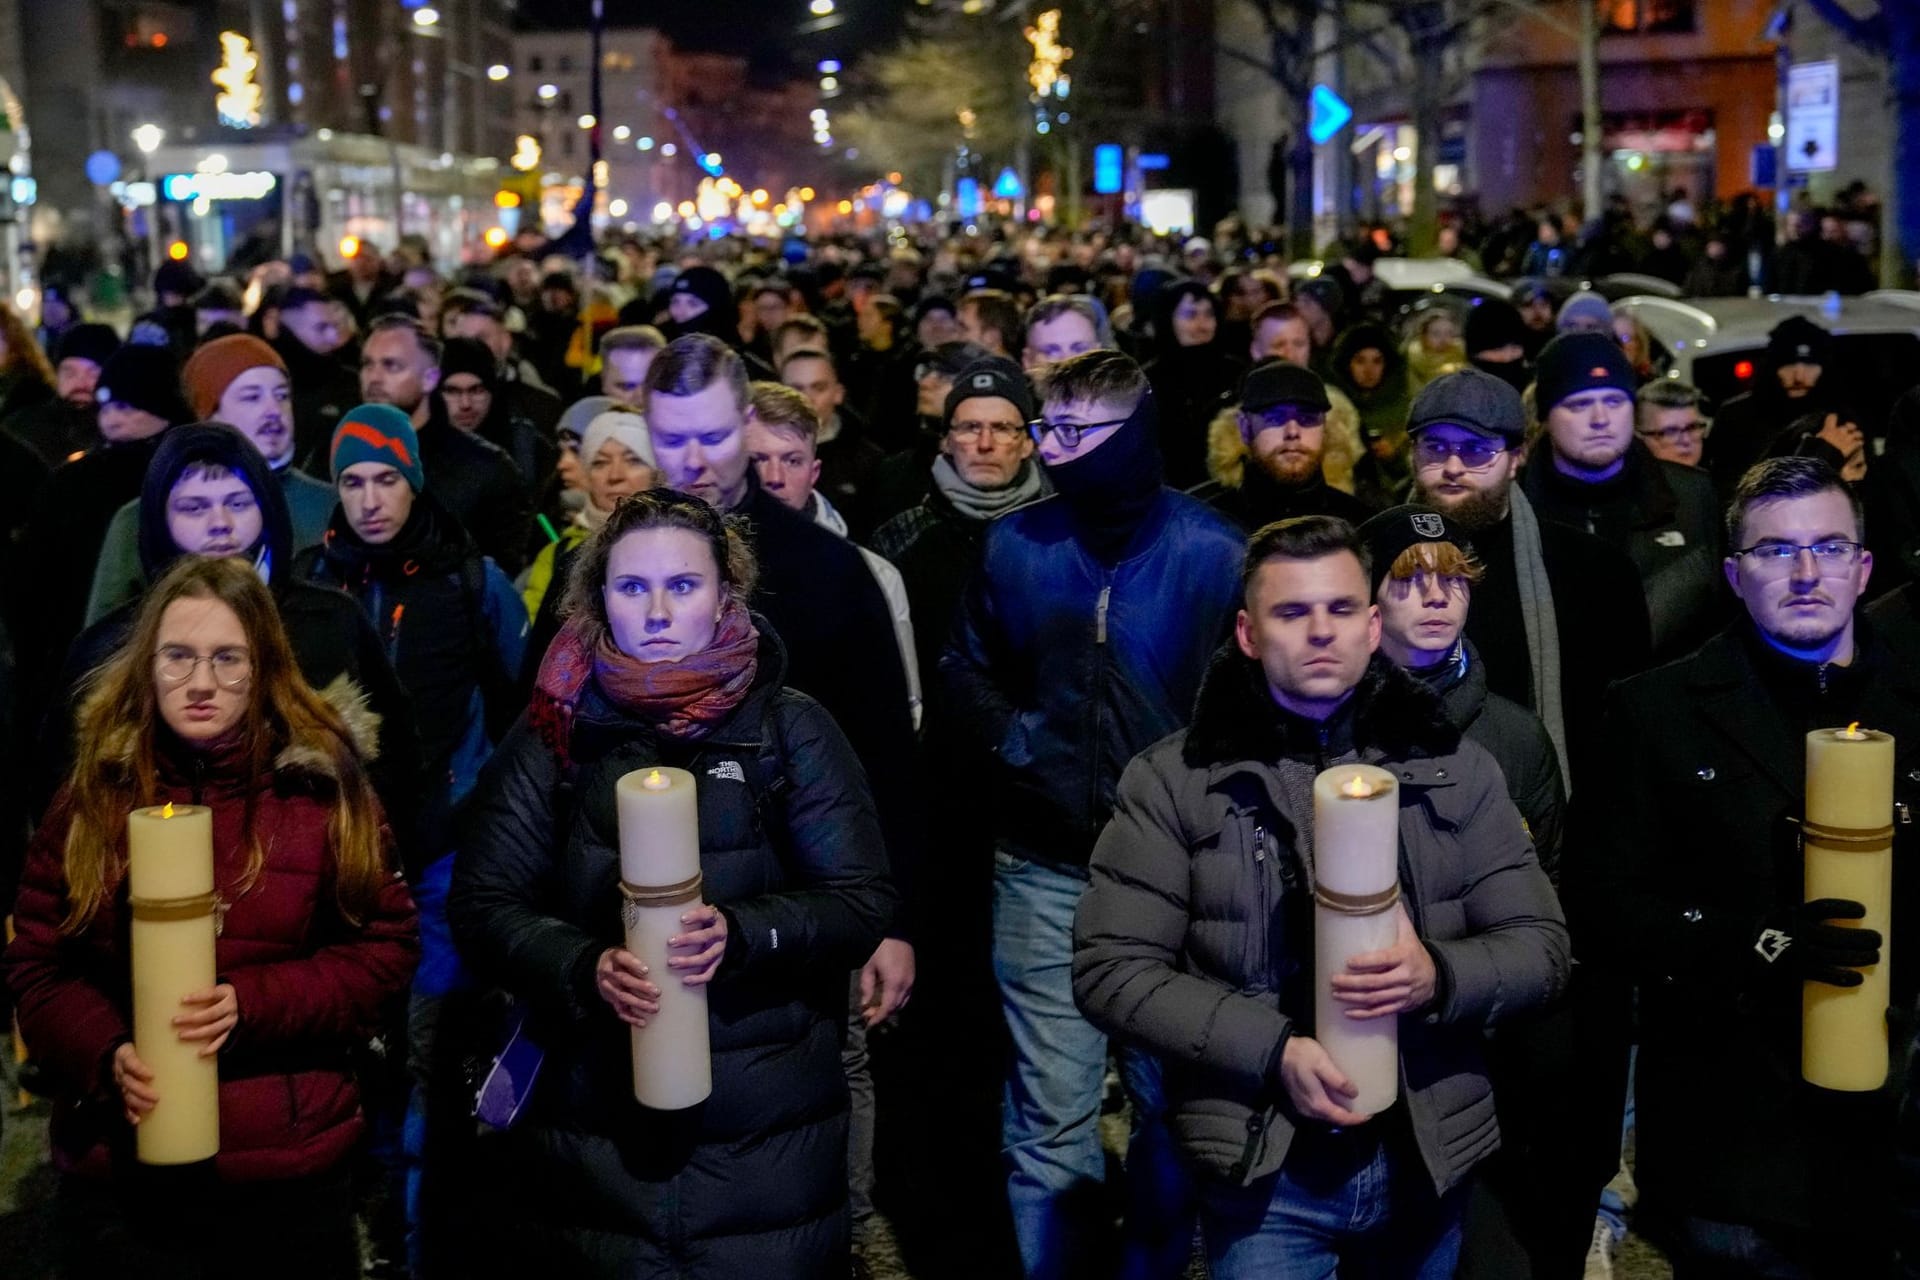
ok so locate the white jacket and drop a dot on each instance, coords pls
(894, 587)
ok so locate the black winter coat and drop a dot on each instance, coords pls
(1067, 667)
(323, 388)
(479, 486)
(1681, 848)
(753, 1181)
(1666, 519)
(1519, 744)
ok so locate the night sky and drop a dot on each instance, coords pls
(764, 30)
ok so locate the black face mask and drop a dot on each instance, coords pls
(1112, 489)
(1515, 373)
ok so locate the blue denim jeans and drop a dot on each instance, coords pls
(1345, 1205)
(1050, 1115)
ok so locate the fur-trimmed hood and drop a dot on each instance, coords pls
(1235, 718)
(307, 756)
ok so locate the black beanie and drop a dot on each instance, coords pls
(147, 378)
(1798, 340)
(1493, 324)
(95, 342)
(469, 355)
(994, 376)
(210, 444)
(1397, 528)
(1576, 362)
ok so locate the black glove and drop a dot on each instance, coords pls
(1800, 943)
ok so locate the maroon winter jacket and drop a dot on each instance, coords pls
(310, 986)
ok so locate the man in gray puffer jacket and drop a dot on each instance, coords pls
(1195, 937)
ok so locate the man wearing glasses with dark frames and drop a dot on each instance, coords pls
(1082, 640)
(1269, 463)
(1685, 847)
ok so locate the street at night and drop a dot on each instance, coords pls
(957, 639)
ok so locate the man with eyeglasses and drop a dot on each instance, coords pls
(1268, 467)
(1559, 614)
(1671, 424)
(1082, 640)
(906, 477)
(1685, 841)
(1592, 473)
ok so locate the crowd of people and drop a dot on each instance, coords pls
(1005, 598)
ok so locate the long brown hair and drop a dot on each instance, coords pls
(19, 353)
(118, 726)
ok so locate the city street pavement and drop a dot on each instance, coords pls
(27, 1187)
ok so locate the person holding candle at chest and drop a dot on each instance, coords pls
(202, 720)
(662, 669)
(1264, 838)
(1737, 783)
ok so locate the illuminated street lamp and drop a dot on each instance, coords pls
(498, 71)
(820, 8)
(587, 121)
(148, 138)
(621, 133)
(426, 17)
(548, 92)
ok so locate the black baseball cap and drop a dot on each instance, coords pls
(1273, 382)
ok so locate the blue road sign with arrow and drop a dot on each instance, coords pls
(1328, 114)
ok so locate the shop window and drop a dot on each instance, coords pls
(1647, 17)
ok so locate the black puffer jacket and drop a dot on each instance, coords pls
(1194, 937)
(753, 1181)
(1067, 668)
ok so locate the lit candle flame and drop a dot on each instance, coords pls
(1853, 728)
(166, 810)
(655, 781)
(1357, 787)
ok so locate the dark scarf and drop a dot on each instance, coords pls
(683, 700)
(430, 541)
(1112, 489)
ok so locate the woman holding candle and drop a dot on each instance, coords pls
(204, 706)
(661, 666)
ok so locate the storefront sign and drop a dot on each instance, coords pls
(217, 186)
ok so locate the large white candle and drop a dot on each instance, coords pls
(660, 871)
(1849, 854)
(1356, 874)
(171, 899)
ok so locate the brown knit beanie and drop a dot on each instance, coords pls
(212, 368)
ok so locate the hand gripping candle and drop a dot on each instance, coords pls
(1848, 844)
(171, 899)
(1356, 884)
(660, 879)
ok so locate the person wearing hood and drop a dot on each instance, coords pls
(139, 398)
(1434, 347)
(320, 365)
(66, 425)
(1081, 641)
(241, 381)
(1370, 371)
(1497, 341)
(1789, 383)
(616, 459)
(470, 395)
(1322, 303)
(209, 492)
(663, 664)
(1584, 312)
(1267, 453)
(1190, 375)
(701, 301)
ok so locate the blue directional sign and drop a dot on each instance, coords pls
(1329, 114)
(1108, 163)
(1007, 185)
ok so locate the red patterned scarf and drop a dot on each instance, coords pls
(684, 699)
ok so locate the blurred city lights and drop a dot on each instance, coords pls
(621, 133)
(148, 138)
(496, 237)
(588, 120)
(498, 71)
(820, 8)
(644, 142)
(548, 92)
(177, 251)
(425, 17)
(617, 208)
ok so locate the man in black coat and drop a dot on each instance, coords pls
(1686, 853)
(1789, 384)
(67, 425)
(320, 370)
(1589, 471)
(1267, 461)
(1544, 582)
(474, 481)
(816, 591)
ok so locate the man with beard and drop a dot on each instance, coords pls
(1787, 385)
(1545, 647)
(1281, 332)
(1266, 458)
(473, 479)
(315, 354)
(66, 426)
(1083, 639)
(1688, 844)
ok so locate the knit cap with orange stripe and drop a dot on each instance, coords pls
(377, 433)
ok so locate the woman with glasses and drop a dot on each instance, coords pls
(210, 494)
(1672, 422)
(661, 665)
(204, 704)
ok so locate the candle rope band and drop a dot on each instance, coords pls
(665, 895)
(168, 910)
(1857, 837)
(1357, 904)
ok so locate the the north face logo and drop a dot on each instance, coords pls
(728, 771)
(1428, 525)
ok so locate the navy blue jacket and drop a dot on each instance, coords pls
(1069, 667)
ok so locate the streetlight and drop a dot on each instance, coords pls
(426, 17)
(547, 92)
(621, 133)
(713, 159)
(148, 138)
(498, 71)
(820, 8)
(587, 121)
